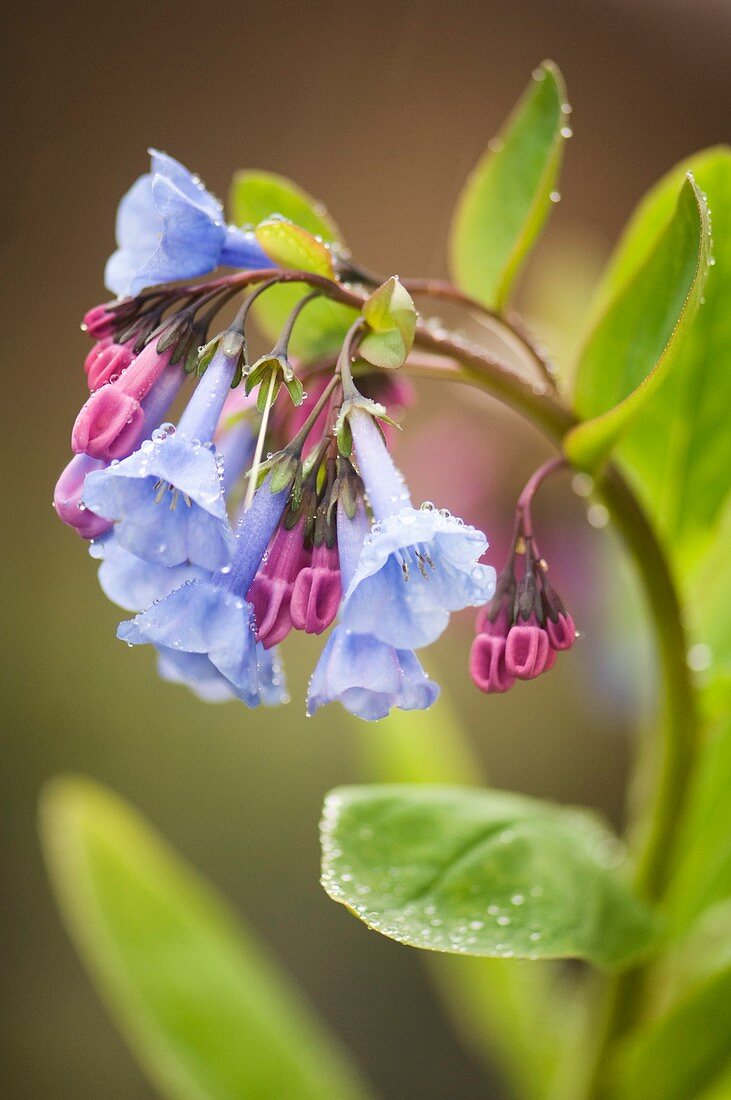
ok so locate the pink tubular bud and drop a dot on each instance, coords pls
(526, 650)
(106, 362)
(271, 590)
(115, 407)
(562, 633)
(316, 592)
(98, 347)
(108, 415)
(487, 665)
(98, 322)
(270, 596)
(499, 626)
(67, 498)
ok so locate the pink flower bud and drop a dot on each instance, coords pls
(99, 322)
(67, 498)
(109, 414)
(106, 362)
(271, 590)
(562, 633)
(113, 409)
(526, 650)
(316, 592)
(487, 664)
(270, 596)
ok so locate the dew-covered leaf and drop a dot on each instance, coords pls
(480, 872)
(631, 349)
(508, 194)
(201, 1004)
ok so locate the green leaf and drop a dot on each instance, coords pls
(391, 317)
(208, 1014)
(500, 874)
(508, 195)
(678, 446)
(686, 1047)
(255, 196)
(630, 351)
(290, 246)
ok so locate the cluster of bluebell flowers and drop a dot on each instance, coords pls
(237, 522)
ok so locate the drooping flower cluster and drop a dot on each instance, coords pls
(264, 509)
(525, 625)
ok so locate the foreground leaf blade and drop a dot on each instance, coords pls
(207, 1013)
(480, 873)
(630, 351)
(508, 195)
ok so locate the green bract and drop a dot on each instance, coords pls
(480, 873)
(391, 318)
(629, 352)
(506, 199)
(206, 1011)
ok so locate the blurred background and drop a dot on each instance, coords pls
(379, 109)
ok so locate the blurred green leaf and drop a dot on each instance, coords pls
(630, 351)
(703, 876)
(391, 317)
(206, 1011)
(680, 448)
(500, 874)
(255, 197)
(684, 1050)
(508, 195)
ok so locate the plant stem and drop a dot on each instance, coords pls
(510, 325)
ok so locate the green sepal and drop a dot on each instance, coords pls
(285, 469)
(295, 389)
(263, 396)
(344, 437)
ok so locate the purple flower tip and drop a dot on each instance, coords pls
(316, 592)
(487, 664)
(526, 650)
